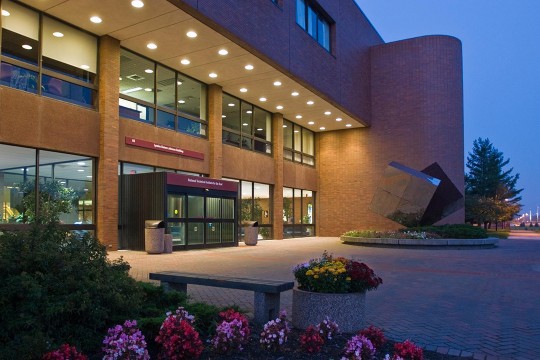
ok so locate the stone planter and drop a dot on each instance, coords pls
(347, 310)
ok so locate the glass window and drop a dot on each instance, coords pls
(19, 78)
(130, 169)
(301, 13)
(247, 196)
(191, 127)
(230, 112)
(213, 208)
(191, 97)
(298, 144)
(307, 207)
(136, 76)
(64, 90)
(288, 217)
(261, 204)
(178, 232)
(312, 22)
(195, 233)
(165, 119)
(287, 134)
(175, 206)
(135, 111)
(308, 144)
(246, 114)
(228, 208)
(213, 233)
(195, 207)
(323, 33)
(297, 135)
(309, 18)
(227, 232)
(166, 88)
(20, 33)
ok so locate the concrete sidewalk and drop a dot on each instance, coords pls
(475, 302)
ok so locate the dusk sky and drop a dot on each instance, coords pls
(501, 70)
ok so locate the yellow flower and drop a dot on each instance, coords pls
(309, 273)
(348, 278)
(316, 276)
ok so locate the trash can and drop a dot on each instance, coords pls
(167, 240)
(251, 232)
(153, 236)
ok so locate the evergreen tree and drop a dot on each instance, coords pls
(490, 190)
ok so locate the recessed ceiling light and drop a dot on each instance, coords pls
(298, 116)
(191, 34)
(310, 102)
(311, 122)
(213, 75)
(259, 129)
(89, 176)
(149, 71)
(243, 90)
(279, 107)
(181, 101)
(131, 90)
(80, 170)
(81, 163)
(58, 34)
(348, 125)
(185, 62)
(147, 89)
(151, 46)
(248, 67)
(5, 13)
(245, 124)
(263, 99)
(223, 116)
(327, 113)
(284, 126)
(27, 47)
(120, 78)
(178, 82)
(85, 67)
(231, 104)
(322, 128)
(295, 93)
(339, 119)
(96, 19)
(277, 83)
(137, 3)
(223, 52)
(249, 112)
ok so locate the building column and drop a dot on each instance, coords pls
(277, 198)
(107, 171)
(215, 99)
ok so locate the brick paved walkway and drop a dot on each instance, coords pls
(483, 303)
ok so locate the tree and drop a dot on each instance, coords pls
(490, 191)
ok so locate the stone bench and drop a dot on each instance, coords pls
(267, 292)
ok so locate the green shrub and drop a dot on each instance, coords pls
(454, 231)
(59, 288)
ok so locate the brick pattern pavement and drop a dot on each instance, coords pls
(480, 303)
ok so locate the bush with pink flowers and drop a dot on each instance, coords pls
(358, 348)
(177, 337)
(275, 333)
(407, 350)
(311, 340)
(65, 352)
(232, 333)
(125, 342)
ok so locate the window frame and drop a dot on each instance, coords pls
(311, 7)
(298, 154)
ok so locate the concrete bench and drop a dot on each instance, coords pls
(267, 292)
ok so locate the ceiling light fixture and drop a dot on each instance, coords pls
(58, 34)
(5, 13)
(339, 119)
(149, 71)
(80, 170)
(223, 52)
(185, 62)
(137, 4)
(322, 128)
(249, 67)
(131, 90)
(85, 67)
(27, 47)
(81, 163)
(311, 122)
(243, 90)
(89, 176)
(263, 99)
(231, 104)
(213, 75)
(181, 101)
(298, 116)
(310, 102)
(223, 116)
(96, 19)
(147, 89)
(348, 125)
(295, 93)
(249, 112)
(245, 124)
(277, 83)
(327, 113)
(151, 46)
(279, 107)
(259, 129)
(192, 34)
(284, 126)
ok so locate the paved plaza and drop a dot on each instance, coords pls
(482, 303)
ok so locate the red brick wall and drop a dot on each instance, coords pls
(417, 106)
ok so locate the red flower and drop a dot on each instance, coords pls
(408, 351)
(65, 352)
(375, 335)
(311, 341)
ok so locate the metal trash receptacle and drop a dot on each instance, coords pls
(153, 236)
(251, 232)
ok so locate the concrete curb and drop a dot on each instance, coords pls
(474, 243)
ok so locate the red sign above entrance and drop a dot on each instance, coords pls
(201, 182)
(163, 148)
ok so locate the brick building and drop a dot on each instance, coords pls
(301, 103)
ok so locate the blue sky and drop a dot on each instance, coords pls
(501, 70)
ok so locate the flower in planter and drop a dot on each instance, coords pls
(335, 275)
(311, 341)
(375, 335)
(358, 348)
(407, 350)
(65, 352)
(231, 333)
(328, 328)
(125, 342)
(275, 333)
(178, 338)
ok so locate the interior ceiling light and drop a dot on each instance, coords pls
(85, 67)
(348, 125)
(5, 13)
(249, 112)
(322, 128)
(310, 102)
(149, 71)
(277, 83)
(263, 99)
(231, 104)
(185, 62)
(213, 75)
(284, 126)
(295, 93)
(137, 3)
(279, 107)
(81, 163)
(80, 170)
(192, 34)
(151, 46)
(327, 113)
(296, 131)
(223, 52)
(89, 176)
(182, 101)
(27, 47)
(243, 90)
(96, 19)
(131, 90)
(178, 83)
(249, 67)
(259, 129)
(298, 116)
(147, 89)
(339, 119)
(223, 116)
(311, 122)
(58, 34)
(245, 124)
